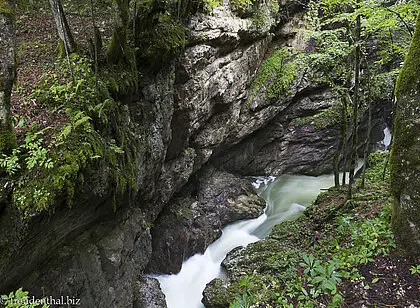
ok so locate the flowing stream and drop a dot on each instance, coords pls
(286, 197)
(387, 138)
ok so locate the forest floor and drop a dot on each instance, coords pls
(388, 281)
(37, 56)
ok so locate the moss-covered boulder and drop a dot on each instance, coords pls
(405, 152)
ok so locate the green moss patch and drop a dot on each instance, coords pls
(326, 118)
(409, 78)
(7, 140)
(5, 8)
(167, 37)
(275, 75)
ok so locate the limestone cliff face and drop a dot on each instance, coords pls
(192, 114)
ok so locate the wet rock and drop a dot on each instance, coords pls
(216, 294)
(282, 147)
(148, 294)
(191, 222)
(269, 257)
(100, 266)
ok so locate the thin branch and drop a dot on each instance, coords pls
(402, 20)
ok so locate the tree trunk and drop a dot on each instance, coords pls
(405, 154)
(7, 73)
(356, 99)
(369, 131)
(63, 28)
(340, 144)
(344, 133)
(118, 49)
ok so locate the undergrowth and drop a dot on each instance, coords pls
(47, 165)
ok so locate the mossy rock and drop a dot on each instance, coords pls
(275, 76)
(405, 158)
(217, 294)
(7, 140)
(408, 81)
(158, 43)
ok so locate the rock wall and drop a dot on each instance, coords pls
(193, 114)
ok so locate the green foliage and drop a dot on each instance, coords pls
(415, 269)
(5, 8)
(329, 62)
(10, 163)
(275, 75)
(331, 42)
(49, 164)
(209, 5)
(241, 4)
(245, 300)
(20, 299)
(391, 25)
(322, 277)
(30, 154)
(351, 243)
(69, 89)
(242, 301)
(328, 117)
(375, 172)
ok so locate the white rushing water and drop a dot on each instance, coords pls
(387, 138)
(286, 197)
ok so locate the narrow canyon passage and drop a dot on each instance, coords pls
(286, 197)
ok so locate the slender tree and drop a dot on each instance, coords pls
(405, 154)
(96, 43)
(7, 72)
(63, 28)
(369, 127)
(344, 132)
(356, 100)
(338, 21)
(341, 144)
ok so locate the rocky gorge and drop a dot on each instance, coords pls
(196, 129)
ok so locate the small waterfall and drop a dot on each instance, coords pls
(184, 290)
(387, 138)
(286, 197)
